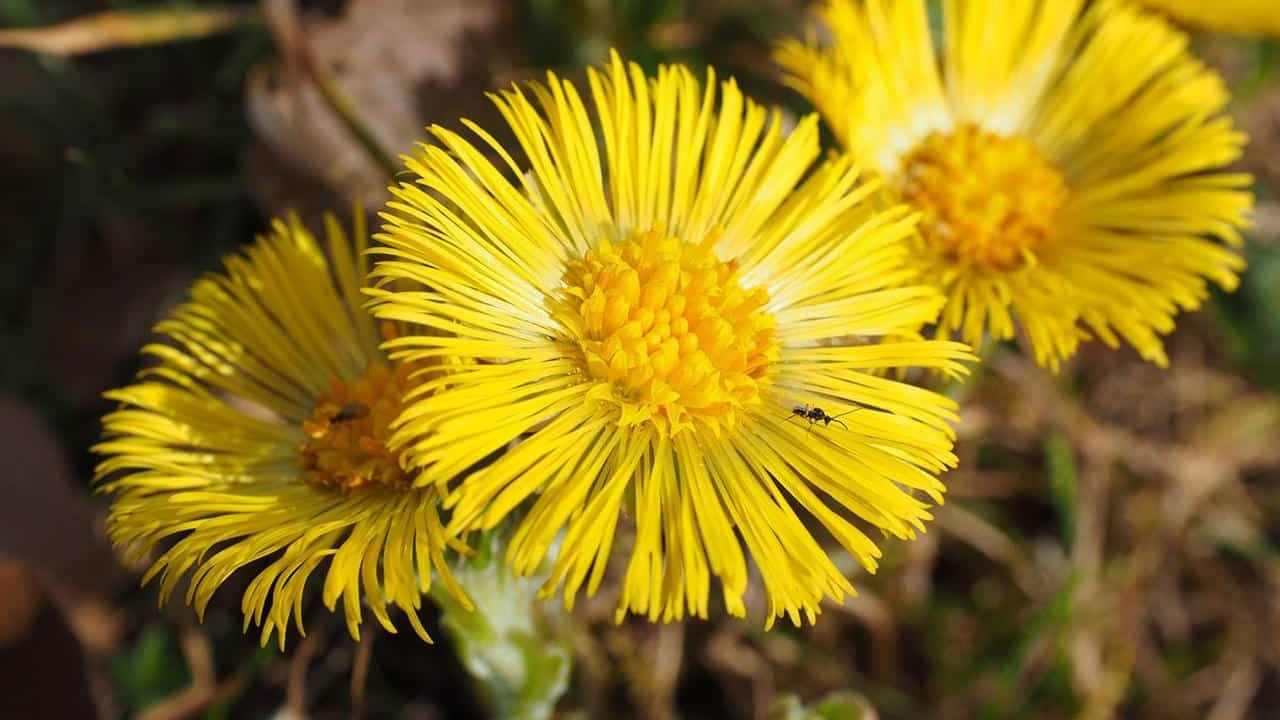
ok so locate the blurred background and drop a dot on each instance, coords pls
(1110, 547)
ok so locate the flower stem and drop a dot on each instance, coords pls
(510, 643)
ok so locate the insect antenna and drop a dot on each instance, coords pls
(836, 418)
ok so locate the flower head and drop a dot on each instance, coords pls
(261, 433)
(638, 311)
(1244, 17)
(1068, 162)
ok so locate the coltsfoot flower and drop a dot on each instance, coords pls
(260, 433)
(1068, 161)
(636, 311)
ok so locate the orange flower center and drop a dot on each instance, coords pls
(988, 200)
(347, 433)
(668, 327)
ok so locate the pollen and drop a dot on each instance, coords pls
(668, 329)
(348, 430)
(988, 200)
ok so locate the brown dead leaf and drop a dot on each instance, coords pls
(48, 526)
(352, 93)
(46, 522)
(43, 673)
(20, 600)
(125, 28)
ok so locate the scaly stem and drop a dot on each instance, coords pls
(509, 643)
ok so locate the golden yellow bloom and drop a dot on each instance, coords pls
(641, 309)
(1244, 17)
(261, 433)
(1068, 161)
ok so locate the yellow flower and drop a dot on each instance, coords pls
(260, 433)
(1245, 17)
(642, 310)
(1068, 161)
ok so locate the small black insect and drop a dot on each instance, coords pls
(815, 415)
(351, 411)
